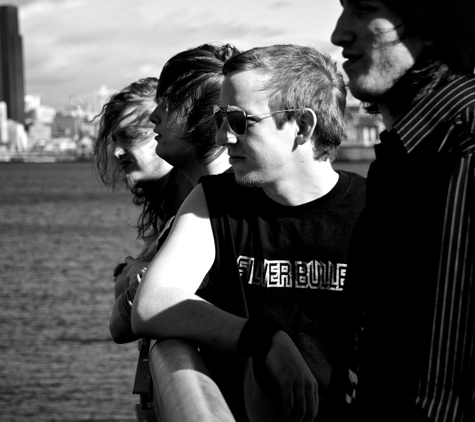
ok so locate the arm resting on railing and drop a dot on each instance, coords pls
(183, 389)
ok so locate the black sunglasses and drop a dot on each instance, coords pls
(237, 117)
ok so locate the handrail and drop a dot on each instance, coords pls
(183, 389)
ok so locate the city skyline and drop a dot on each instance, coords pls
(73, 47)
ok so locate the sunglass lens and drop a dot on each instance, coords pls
(237, 121)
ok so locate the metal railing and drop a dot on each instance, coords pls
(182, 386)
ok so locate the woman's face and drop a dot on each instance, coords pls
(134, 148)
(172, 141)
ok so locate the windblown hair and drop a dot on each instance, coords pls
(151, 218)
(190, 82)
(134, 97)
(300, 77)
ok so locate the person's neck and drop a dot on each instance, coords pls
(420, 81)
(151, 185)
(197, 170)
(388, 117)
(305, 185)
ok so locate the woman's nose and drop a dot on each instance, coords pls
(118, 151)
(154, 116)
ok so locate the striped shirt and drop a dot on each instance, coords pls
(411, 277)
(447, 388)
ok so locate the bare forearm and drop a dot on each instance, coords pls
(165, 305)
(179, 314)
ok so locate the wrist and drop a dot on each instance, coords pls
(124, 306)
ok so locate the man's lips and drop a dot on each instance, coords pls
(351, 58)
(233, 159)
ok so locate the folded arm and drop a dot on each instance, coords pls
(166, 304)
(126, 284)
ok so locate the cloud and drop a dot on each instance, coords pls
(74, 46)
(18, 2)
(281, 4)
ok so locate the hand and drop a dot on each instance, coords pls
(131, 268)
(134, 283)
(296, 385)
(118, 268)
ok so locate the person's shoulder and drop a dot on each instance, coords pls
(228, 174)
(221, 190)
(355, 184)
(467, 117)
(464, 120)
(353, 179)
(467, 80)
(466, 136)
(225, 179)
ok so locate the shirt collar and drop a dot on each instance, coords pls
(434, 110)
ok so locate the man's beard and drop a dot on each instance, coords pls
(426, 73)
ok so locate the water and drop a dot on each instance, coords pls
(61, 235)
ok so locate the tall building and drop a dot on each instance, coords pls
(12, 85)
(3, 123)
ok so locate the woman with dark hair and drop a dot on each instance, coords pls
(124, 153)
(188, 88)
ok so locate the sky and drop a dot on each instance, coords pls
(72, 47)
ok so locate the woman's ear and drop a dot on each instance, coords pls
(307, 122)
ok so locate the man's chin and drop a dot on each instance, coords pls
(361, 94)
(131, 180)
(247, 181)
(364, 93)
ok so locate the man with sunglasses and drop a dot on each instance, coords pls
(271, 239)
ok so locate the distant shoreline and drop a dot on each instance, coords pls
(44, 160)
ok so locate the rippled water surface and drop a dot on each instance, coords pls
(61, 235)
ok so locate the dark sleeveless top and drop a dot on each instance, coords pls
(285, 263)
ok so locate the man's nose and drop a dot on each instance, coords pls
(342, 34)
(224, 136)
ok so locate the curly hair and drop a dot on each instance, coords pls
(134, 98)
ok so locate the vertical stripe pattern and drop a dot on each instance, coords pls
(447, 390)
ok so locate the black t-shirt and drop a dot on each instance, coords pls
(287, 264)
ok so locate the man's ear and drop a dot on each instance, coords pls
(307, 122)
